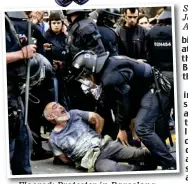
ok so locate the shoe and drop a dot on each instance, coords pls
(41, 155)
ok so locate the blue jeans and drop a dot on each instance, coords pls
(148, 117)
(20, 150)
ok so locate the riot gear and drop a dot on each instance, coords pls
(89, 61)
(108, 17)
(70, 12)
(83, 34)
(119, 78)
(39, 67)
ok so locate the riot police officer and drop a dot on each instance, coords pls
(159, 43)
(19, 133)
(120, 77)
(83, 33)
(159, 48)
(105, 22)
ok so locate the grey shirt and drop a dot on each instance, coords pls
(76, 138)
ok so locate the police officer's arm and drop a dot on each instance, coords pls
(26, 52)
(122, 115)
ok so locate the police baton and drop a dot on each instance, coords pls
(158, 92)
(27, 77)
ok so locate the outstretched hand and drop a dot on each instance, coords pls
(122, 136)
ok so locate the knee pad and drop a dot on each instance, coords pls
(80, 2)
(63, 3)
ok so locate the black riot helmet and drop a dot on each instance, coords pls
(81, 13)
(40, 67)
(17, 15)
(108, 17)
(88, 62)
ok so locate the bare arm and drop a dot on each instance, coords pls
(96, 120)
(25, 53)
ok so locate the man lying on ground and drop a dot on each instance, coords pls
(74, 140)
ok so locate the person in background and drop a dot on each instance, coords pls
(143, 21)
(37, 17)
(131, 35)
(56, 51)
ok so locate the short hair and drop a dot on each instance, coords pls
(55, 16)
(132, 10)
(142, 16)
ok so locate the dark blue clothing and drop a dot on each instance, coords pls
(109, 39)
(127, 87)
(83, 34)
(58, 41)
(120, 78)
(19, 139)
(159, 47)
(22, 29)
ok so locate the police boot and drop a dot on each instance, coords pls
(80, 2)
(63, 3)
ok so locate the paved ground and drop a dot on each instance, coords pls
(47, 166)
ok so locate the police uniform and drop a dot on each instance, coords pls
(19, 134)
(127, 85)
(109, 39)
(159, 47)
(84, 35)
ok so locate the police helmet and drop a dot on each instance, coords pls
(108, 17)
(39, 66)
(70, 12)
(112, 11)
(17, 15)
(166, 14)
(88, 61)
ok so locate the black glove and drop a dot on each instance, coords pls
(80, 2)
(63, 3)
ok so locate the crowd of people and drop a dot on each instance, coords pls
(103, 78)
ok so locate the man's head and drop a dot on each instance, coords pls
(131, 16)
(143, 20)
(56, 113)
(55, 22)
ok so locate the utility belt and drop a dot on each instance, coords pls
(161, 82)
(14, 116)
